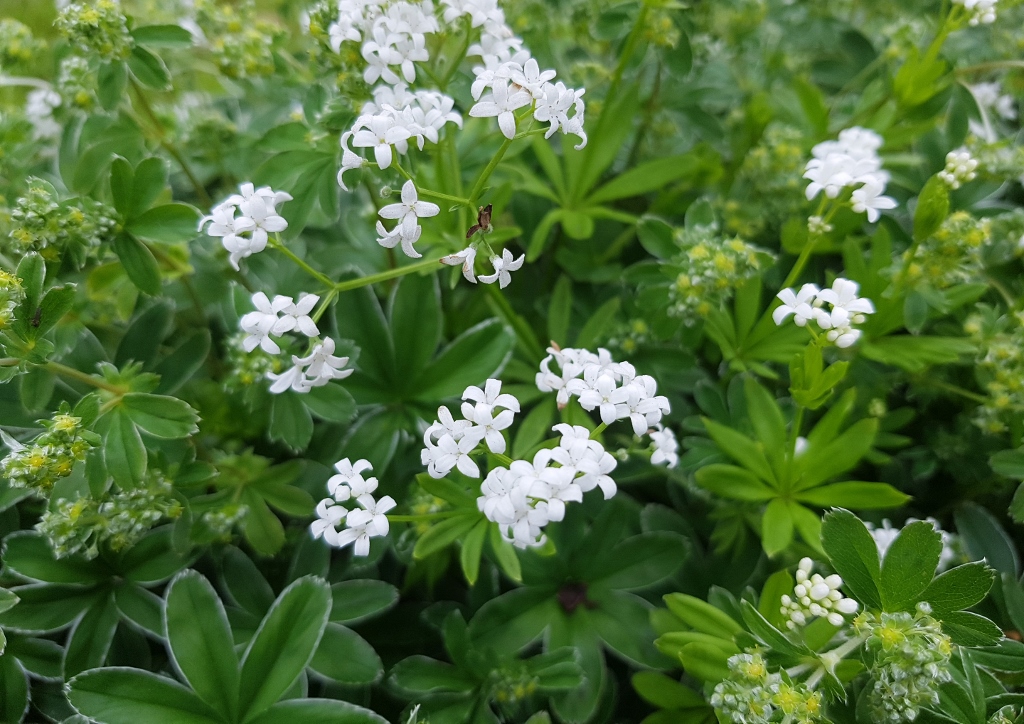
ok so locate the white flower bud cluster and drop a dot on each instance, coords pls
(256, 216)
(851, 162)
(362, 523)
(983, 12)
(450, 443)
(666, 448)
(613, 388)
(524, 497)
(815, 596)
(39, 107)
(846, 310)
(960, 168)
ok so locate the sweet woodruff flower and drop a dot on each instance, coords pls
(245, 220)
(367, 521)
(503, 266)
(502, 103)
(846, 310)
(960, 168)
(408, 213)
(982, 11)
(851, 162)
(316, 369)
(466, 259)
(277, 317)
(666, 448)
(816, 596)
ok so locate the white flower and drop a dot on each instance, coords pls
(410, 209)
(248, 192)
(297, 315)
(39, 107)
(532, 78)
(370, 522)
(293, 378)
(885, 534)
(843, 295)
(466, 259)
(602, 394)
(502, 266)
(381, 134)
(990, 96)
(982, 11)
(960, 168)
(391, 239)
(349, 481)
(491, 425)
(450, 454)
(329, 517)
(548, 381)
(321, 366)
(350, 160)
(491, 396)
(797, 304)
(868, 199)
(264, 322)
(666, 449)
(502, 103)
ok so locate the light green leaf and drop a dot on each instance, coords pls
(729, 481)
(776, 527)
(473, 357)
(91, 637)
(317, 711)
(868, 496)
(123, 451)
(160, 415)
(167, 224)
(139, 263)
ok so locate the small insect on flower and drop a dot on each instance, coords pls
(483, 221)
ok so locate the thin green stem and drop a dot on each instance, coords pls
(427, 192)
(9, 362)
(478, 187)
(158, 127)
(598, 430)
(60, 369)
(1003, 291)
(386, 275)
(424, 516)
(955, 389)
(320, 277)
(503, 458)
(324, 304)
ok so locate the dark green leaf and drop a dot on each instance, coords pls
(317, 711)
(91, 637)
(139, 263)
(345, 656)
(853, 554)
(909, 565)
(359, 600)
(160, 415)
(148, 68)
(473, 357)
(117, 695)
(985, 538)
(959, 588)
(290, 421)
(29, 554)
(331, 402)
(123, 451)
(167, 224)
(170, 36)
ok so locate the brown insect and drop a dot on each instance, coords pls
(37, 317)
(483, 221)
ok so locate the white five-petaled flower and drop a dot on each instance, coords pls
(666, 449)
(869, 199)
(350, 160)
(329, 517)
(410, 209)
(503, 265)
(798, 304)
(503, 103)
(843, 294)
(298, 314)
(264, 322)
(321, 366)
(380, 133)
(349, 481)
(491, 396)
(466, 259)
(363, 524)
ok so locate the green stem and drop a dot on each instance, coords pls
(503, 458)
(9, 362)
(427, 192)
(158, 127)
(425, 516)
(385, 275)
(322, 278)
(526, 336)
(598, 430)
(955, 389)
(478, 187)
(324, 304)
(58, 368)
(457, 59)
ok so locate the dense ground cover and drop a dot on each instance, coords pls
(561, 360)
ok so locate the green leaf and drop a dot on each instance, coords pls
(959, 588)
(1009, 463)
(970, 629)
(200, 642)
(284, 644)
(167, 224)
(330, 402)
(178, 367)
(666, 693)
(765, 415)
(534, 428)
(985, 538)
(599, 323)
(853, 554)
(150, 182)
(776, 527)
(740, 448)
(57, 302)
(779, 584)
(560, 311)
(317, 711)
(729, 481)
(867, 496)
(32, 272)
(702, 616)
(141, 607)
(168, 36)
(932, 208)
(649, 176)
(638, 562)
(505, 555)
(160, 415)
(471, 358)
(149, 68)
(345, 656)
(705, 662)
(657, 237)
(245, 584)
(36, 388)
(421, 675)
(290, 421)
(760, 627)
(263, 529)
(44, 608)
(416, 321)
(359, 600)
(91, 637)
(123, 451)
(541, 232)
(472, 549)
(139, 263)
(13, 689)
(443, 534)
(122, 176)
(819, 463)
(118, 695)
(111, 79)
(8, 599)
(909, 565)
(29, 555)
(142, 339)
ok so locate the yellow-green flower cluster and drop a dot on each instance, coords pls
(952, 255)
(96, 28)
(11, 294)
(660, 29)
(44, 223)
(1000, 341)
(513, 685)
(50, 456)
(76, 83)
(241, 43)
(769, 187)
(17, 46)
(219, 523)
(249, 369)
(909, 660)
(708, 271)
(753, 695)
(117, 522)
(631, 335)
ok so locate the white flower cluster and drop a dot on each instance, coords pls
(815, 596)
(960, 168)
(256, 216)
(885, 534)
(613, 388)
(851, 162)
(278, 317)
(982, 11)
(39, 107)
(524, 497)
(846, 310)
(362, 523)
(990, 96)
(450, 443)
(503, 265)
